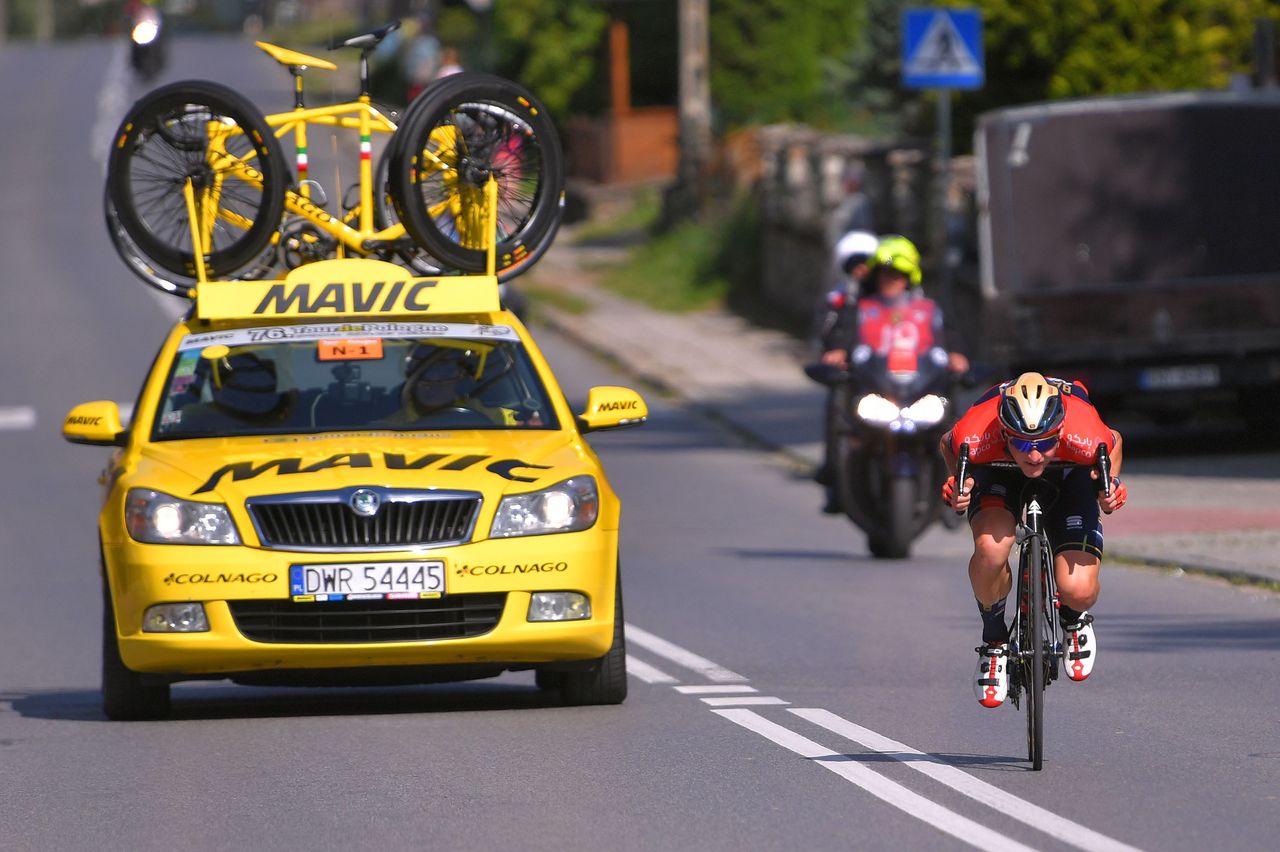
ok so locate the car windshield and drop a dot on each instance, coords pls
(352, 376)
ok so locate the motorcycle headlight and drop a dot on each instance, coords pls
(154, 517)
(874, 408)
(145, 31)
(567, 506)
(926, 411)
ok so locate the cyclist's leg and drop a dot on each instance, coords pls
(993, 528)
(1075, 528)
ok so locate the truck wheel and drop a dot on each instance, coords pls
(125, 697)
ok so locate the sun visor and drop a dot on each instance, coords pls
(347, 288)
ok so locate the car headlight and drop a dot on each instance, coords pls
(874, 408)
(567, 506)
(926, 411)
(154, 517)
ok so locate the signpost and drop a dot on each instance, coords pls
(942, 49)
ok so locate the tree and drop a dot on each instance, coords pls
(550, 46)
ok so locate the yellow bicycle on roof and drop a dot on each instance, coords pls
(423, 204)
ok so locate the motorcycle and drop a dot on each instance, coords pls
(146, 43)
(893, 410)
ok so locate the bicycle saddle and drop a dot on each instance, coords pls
(365, 41)
(293, 59)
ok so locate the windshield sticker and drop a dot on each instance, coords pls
(336, 330)
(350, 349)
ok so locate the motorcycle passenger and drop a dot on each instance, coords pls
(894, 316)
(1033, 420)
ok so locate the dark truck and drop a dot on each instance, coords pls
(1134, 243)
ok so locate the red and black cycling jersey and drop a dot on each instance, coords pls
(1082, 428)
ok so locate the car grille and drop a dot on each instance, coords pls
(332, 525)
(356, 622)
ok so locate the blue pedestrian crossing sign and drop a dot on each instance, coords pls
(942, 49)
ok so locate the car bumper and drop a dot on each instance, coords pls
(143, 575)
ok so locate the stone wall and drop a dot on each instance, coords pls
(794, 174)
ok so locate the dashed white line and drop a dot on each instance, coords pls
(680, 656)
(742, 700)
(1023, 811)
(646, 672)
(709, 688)
(17, 417)
(890, 792)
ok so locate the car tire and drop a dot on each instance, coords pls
(126, 697)
(606, 681)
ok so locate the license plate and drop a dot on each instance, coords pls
(1180, 378)
(360, 581)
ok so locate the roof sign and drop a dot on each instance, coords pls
(347, 288)
(942, 48)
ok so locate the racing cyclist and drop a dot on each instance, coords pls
(1031, 421)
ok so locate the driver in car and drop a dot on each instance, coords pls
(441, 378)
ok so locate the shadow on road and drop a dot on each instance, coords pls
(229, 701)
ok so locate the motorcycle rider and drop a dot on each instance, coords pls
(1033, 420)
(894, 316)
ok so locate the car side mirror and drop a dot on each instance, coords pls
(610, 407)
(94, 423)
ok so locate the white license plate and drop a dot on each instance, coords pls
(1180, 378)
(367, 581)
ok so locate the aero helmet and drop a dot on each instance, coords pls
(1031, 407)
(855, 247)
(898, 252)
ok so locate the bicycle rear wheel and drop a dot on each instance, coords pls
(1033, 648)
(206, 133)
(462, 130)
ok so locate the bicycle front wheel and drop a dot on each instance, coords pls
(465, 129)
(206, 135)
(1033, 649)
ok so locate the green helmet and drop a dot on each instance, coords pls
(899, 253)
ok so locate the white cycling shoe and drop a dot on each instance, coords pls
(991, 684)
(1080, 647)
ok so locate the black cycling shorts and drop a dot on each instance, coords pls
(1071, 518)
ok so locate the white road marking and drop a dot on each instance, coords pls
(890, 792)
(646, 672)
(669, 650)
(17, 417)
(742, 700)
(1033, 815)
(707, 689)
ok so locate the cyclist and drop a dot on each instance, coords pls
(1031, 421)
(893, 315)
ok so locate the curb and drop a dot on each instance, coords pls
(797, 464)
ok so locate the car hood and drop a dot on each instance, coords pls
(232, 469)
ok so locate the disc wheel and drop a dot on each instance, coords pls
(208, 135)
(463, 130)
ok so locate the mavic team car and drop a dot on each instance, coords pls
(352, 476)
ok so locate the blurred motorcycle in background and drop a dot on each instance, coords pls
(146, 42)
(894, 409)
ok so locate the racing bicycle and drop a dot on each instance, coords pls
(422, 204)
(1035, 637)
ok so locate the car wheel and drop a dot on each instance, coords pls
(606, 681)
(125, 696)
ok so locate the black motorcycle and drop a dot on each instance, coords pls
(893, 410)
(147, 42)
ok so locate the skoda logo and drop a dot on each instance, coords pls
(364, 502)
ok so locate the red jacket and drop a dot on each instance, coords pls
(1082, 429)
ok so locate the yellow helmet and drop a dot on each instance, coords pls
(898, 252)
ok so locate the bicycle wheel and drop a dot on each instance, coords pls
(417, 259)
(204, 132)
(1033, 648)
(464, 129)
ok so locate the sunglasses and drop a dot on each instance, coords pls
(1024, 446)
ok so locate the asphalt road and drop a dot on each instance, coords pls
(786, 690)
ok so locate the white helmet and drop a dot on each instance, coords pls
(855, 244)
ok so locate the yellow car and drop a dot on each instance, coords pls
(355, 476)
